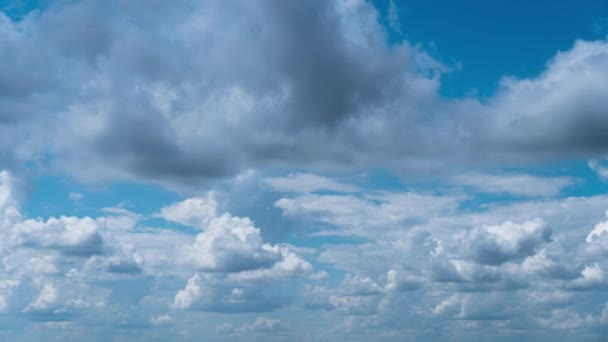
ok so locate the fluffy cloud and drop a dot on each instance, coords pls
(339, 97)
(193, 212)
(235, 263)
(180, 93)
(214, 293)
(70, 235)
(63, 257)
(496, 244)
(471, 266)
(231, 244)
(416, 259)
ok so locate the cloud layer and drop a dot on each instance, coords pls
(528, 269)
(220, 100)
(320, 88)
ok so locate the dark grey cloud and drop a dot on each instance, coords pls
(181, 91)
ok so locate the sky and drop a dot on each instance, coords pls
(322, 170)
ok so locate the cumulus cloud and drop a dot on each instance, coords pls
(512, 272)
(233, 261)
(63, 257)
(231, 244)
(341, 97)
(193, 212)
(65, 268)
(418, 259)
(70, 235)
(496, 244)
(182, 93)
(598, 233)
(214, 293)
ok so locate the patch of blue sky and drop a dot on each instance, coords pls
(483, 41)
(18, 9)
(51, 195)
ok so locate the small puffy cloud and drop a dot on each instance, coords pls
(289, 265)
(358, 285)
(599, 232)
(591, 277)
(186, 297)
(494, 245)
(70, 235)
(234, 264)
(161, 319)
(215, 293)
(231, 244)
(194, 212)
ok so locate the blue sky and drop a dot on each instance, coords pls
(303, 171)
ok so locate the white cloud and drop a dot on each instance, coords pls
(138, 95)
(186, 297)
(598, 232)
(355, 215)
(70, 235)
(497, 244)
(231, 244)
(564, 319)
(306, 182)
(260, 325)
(398, 281)
(194, 212)
(600, 168)
(47, 298)
(75, 196)
(161, 319)
(515, 184)
(9, 210)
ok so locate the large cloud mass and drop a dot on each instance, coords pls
(187, 90)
